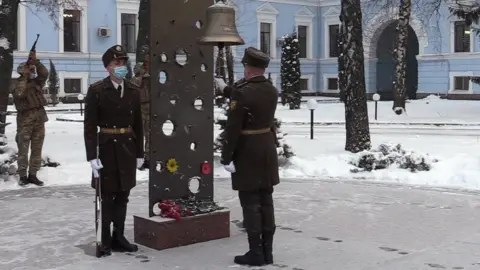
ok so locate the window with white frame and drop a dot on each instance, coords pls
(306, 83)
(127, 24)
(460, 82)
(129, 32)
(331, 27)
(73, 29)
(18, 42)
(330, 83)
(304, 26)
(267, 28)
(333, 36)
(462, 37)
(73, 83)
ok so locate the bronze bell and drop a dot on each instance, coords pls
(220, 27)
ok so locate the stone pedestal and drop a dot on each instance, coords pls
(163, 233)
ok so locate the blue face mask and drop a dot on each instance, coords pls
(120, 72)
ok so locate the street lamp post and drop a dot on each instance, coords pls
(311, 105)
(376, 98)
(80, 98)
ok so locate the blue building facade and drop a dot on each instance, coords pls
(76, 41)
(442, 51)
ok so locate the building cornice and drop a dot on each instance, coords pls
(314, 3)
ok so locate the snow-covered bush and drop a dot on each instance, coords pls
(387, 155)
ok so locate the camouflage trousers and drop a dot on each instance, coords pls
(30, 136)
(146, 128)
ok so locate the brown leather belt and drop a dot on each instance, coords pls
(256, 131)
(116, 130)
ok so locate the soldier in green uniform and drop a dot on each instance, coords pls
(250, 155)
(141, 79)
(31, 117)
(113, 106)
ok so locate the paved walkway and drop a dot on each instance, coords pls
(322, 225)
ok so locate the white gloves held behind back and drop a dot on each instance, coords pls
(97, 165)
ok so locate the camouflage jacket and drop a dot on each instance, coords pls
(28, 94)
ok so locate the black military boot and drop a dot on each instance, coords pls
(106, 248)
(267, 242)
(34, 180)
(254, 257)
(120, 243)
(23, 181)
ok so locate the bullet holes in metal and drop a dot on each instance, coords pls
(162, 77)
(193, 146)
(174, 99)
(181, 57)
(168, 128)
(159, 166)
(198, 104)
(163, 57)
(198, 24)
(194, 184)
(156, 209)
(203, 68)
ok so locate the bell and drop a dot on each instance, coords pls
(220, 28)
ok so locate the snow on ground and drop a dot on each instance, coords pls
(426, 111)
(323, 157)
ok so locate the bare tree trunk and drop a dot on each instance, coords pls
(8, 17)
(143, 39)
(353, 77)
(400, 87)
(230, 70)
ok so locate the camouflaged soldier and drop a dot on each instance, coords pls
(250, 154)
(141, 79)
(29, 101)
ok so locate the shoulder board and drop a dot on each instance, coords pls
(97, 84)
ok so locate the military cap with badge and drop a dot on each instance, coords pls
(113, 53)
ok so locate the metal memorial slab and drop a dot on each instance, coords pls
(181, 117)
(181, 98)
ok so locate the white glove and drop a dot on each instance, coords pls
(230, 167)
(96, 165)
(220, 83)
(139, 162)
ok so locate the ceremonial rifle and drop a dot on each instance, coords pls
(98, 211)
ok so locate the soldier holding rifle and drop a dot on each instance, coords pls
(29, 101)
(113, 106)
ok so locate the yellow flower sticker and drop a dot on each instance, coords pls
(233, 104)
(172, 165)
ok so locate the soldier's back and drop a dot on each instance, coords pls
(256, 157)
(261, 99)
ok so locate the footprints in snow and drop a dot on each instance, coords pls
(300, 231)
(142, 258)
(388, 249)
(439, 266)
